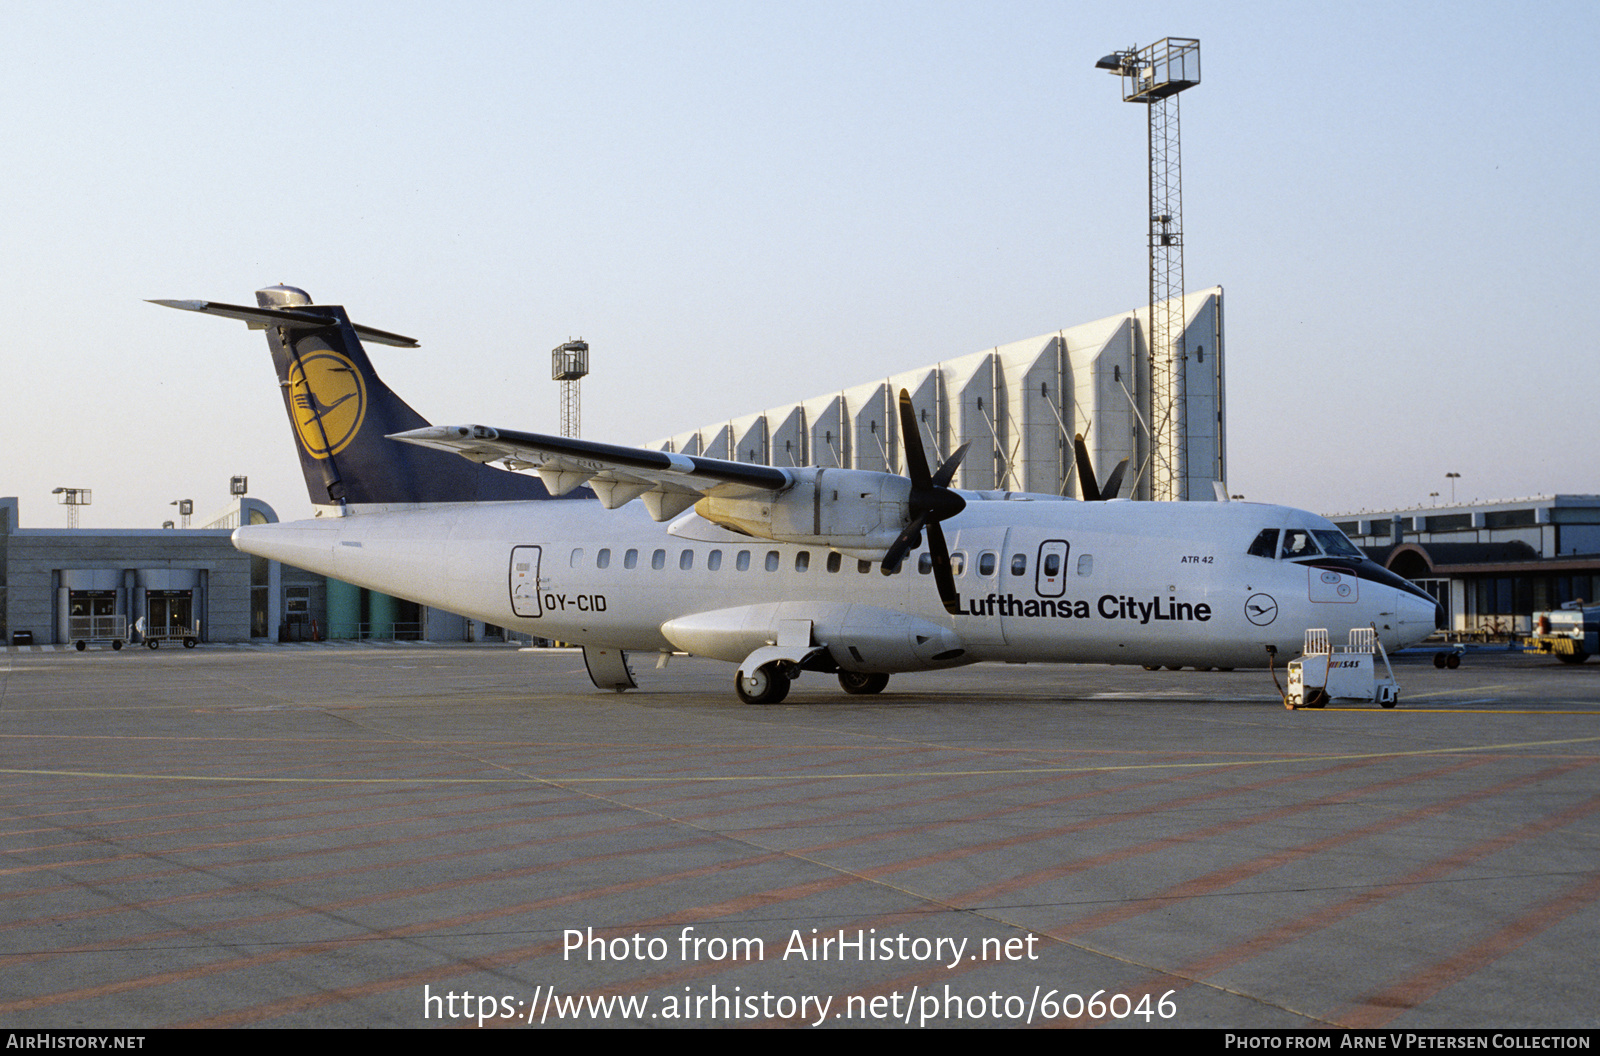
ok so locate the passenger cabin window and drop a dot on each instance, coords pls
(925, 563)
(577, 558)
(714, 560)
(742, 562)
(958, 562)
(686, 560)
(602, 559)
(630, 559)
(772, 560)
(987, 561)
(1265, 545)
(658, 560)
(863, 567)
(1085, 564)
(835, 562)
(1019, 564)
(802, 561)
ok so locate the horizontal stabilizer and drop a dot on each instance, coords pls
(296, 318)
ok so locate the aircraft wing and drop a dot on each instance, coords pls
(667, 483)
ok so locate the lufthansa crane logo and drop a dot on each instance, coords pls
(1261, 609)
(327, 401)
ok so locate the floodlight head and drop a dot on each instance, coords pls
(1110, 62)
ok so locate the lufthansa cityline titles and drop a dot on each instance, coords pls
(1109, 607)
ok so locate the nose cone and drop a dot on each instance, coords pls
(1416, 616)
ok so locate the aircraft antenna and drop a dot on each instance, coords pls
(568, 364)
(1154, 76)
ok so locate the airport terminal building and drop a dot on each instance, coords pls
(119, 586)
(1491, 564)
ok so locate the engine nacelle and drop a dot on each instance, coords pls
(854, 510)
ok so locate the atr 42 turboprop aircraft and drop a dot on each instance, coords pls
(850, 572)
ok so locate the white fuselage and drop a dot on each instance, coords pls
(1112, 582)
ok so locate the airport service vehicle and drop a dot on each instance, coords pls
(1327, 672)
(781, 571)
(1571, 633)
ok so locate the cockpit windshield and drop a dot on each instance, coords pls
(1334, 542)
(1300, 543)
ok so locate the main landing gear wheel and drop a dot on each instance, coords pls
(765, 685)
(860, 682)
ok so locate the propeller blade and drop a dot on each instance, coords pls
(916, 460)
(947, 472)
(903, 543)
(943, 577)
(1086, 478)
(1113, 485)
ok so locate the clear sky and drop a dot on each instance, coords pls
(742, 204)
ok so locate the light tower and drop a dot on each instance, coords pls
(568, 364)
(1154, 76)
(72, 498)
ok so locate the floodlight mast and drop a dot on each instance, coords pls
(1154, 76)
(568, 365)
(72, 498)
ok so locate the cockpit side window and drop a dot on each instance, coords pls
(1297, 542)
(1266, 544)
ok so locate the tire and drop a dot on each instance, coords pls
(858, 682)
(188, 643)
(116, 646)
(1315, 698)
(1439, 660)
(1577, 657)
(1453, 661)
(84, 645)
(765, 685)
(152, 644)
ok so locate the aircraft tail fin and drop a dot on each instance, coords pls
(341, 412)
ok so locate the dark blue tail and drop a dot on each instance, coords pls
(341, 413)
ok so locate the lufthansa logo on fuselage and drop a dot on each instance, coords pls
(1261, 609)
(327, 401)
